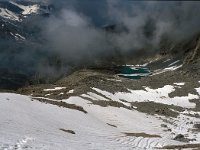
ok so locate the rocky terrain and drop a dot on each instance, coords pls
(97, 109)
(97, 106)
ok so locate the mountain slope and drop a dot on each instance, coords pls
(29, 124)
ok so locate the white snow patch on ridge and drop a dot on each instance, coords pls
(27, 10)
(93, 96)
(135, 75)
(174, 63)
(5, 13)
(198, 90)
(114, 80)
(172, 68)
(166, 60)
(70, 92)
(180, 84)
(19, 36)
(55, 89)
(160, 95)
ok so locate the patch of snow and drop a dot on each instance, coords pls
(27, 124)
(93, 96)
(114, 80)
(96, 96)
(61, 93)
(47, 94)
(166, 60)
(190, 112)
(70, 92)
(198, 90)
(129, 121)
(27, 10)
(160, 95)
(110, 96)
(172, 68)
(180, 84)
(135, 75)
(19, 36)
(5, 13)
(183, 124)
(88, 96)
(55, 89)
(143, 65)
(174, 63)
(135, 68)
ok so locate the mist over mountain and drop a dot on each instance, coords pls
(52, 38)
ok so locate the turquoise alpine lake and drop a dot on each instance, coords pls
(133, 72)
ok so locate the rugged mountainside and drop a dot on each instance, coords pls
(95, 107)
(159, 111)
(14, 13)
(16, 32)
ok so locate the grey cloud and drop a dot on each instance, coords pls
(73, 36)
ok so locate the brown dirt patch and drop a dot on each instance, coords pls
(67, 131)
(181, 146)
(62, 104)
(158, 108)
(143, 135)
(111, 125)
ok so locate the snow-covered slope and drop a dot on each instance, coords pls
(13, 15)
(27, 124)
(18, 10)
(41, 123)
(27, 10)
(7, 14)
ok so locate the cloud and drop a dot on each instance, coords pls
(73, 35)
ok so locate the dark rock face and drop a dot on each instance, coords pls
(181, 138)
(15, 42)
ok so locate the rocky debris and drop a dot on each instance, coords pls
(185, 146)
(181, 138)
(163, 125)
(61, 104)
(111, 125)
(158, 108)
(193, 52)
(197, 126)
(68, 131)
(145, 135)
